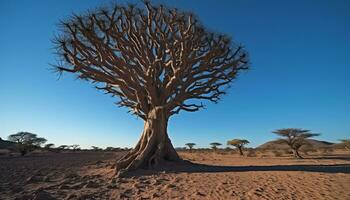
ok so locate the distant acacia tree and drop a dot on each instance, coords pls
(112, 149)
(158, 61)
(345, 143)
(49, 146)
(26, 141)
(214, 145)
(94, 148)
(190, 145)
(239, 144)
(295, 138)
(63, 147)
(74, 147)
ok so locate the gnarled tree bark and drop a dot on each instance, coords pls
(296, 153)
(153, 148)
(240, 151)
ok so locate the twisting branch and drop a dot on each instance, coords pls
(149, 57)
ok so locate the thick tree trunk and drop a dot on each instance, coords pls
(296, 153)
(153, 148)
(240, 151)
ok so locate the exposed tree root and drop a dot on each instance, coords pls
(153, 148)
(296, 154)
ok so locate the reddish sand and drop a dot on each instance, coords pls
(89, 175)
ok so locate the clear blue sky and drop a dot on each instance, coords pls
(299, 77)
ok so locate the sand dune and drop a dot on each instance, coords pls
(89, 175)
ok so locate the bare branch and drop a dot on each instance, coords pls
(149, 57)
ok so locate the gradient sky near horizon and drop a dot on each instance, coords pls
(299, 77)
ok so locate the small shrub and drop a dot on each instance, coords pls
(326, 150)
(262, 151)
(287, 152)
(306, 151)
(251, 153)
(277, 153)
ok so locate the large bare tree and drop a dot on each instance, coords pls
(157, 60)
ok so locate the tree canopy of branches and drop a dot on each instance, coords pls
(26, 141)
(295, 138)
(239, 144)
(74, 147)
(94, 148)
(214, 145)
(49, 146)
(157, 61)
(190, 145)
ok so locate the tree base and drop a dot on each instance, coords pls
(153, 149)
(160, 168)
(296, 154)
(137, 160)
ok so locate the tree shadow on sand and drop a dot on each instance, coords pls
(346, 158)
(189, 167)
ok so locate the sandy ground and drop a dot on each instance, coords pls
(89, 175)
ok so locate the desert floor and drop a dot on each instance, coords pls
(89, 175)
